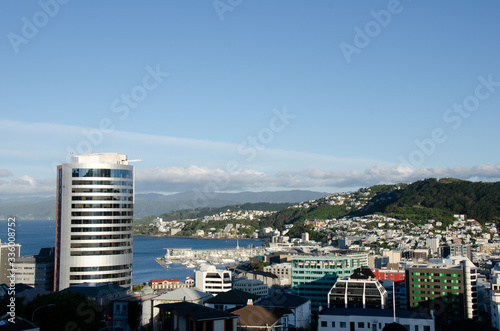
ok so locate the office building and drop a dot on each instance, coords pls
(344, 319)
(209, 279)
(37, 270)
(314, 275)
(450, 288)
(461, 250)
(390, 274)
(380, 262)
(495, 301)
(393, 255)
(5, 263)
(361, 290)
(433, 244)
(253, 286)
(94, 214)
(282, 270)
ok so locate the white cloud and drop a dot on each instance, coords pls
(27, 186)
(201, 178)
(176, 179)
(6, 173)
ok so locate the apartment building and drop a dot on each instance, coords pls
(209, 279)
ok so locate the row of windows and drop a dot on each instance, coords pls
(437, 286)
(102, 213)
(103, 268)
(435, 274)
(101, 205)
(444, 281)
(112, 173)
(102, 198)
(101, 190)
(94, 253)
(105, 276)
(361, 325)
(103, 182)
(103, 229)
(103, 237)
(120, 283)
(100, 245)
(433, 292)
(110, 221)
(430, 298)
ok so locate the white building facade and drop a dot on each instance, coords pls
(94, 215)
(209, 279)
(343, 319)
(283, 271)
(253, 286)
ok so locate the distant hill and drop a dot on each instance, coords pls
(153, 204)
(477, 200)
(419, 201)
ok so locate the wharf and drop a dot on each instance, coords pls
(214, 256)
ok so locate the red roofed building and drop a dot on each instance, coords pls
(394, 275)
(166, 284)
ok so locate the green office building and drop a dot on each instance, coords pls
(313, 276)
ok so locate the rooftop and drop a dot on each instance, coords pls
(195, 311)
(185, 294)
(374, 312)
(282, 300)
(233, 297)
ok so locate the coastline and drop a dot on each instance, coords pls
(186, 237)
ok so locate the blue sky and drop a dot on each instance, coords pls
(251, 95)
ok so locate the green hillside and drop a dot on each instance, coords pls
(443, 198)
(422, 200)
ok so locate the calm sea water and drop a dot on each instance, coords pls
(33, 235)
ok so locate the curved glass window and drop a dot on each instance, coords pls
(112, 173)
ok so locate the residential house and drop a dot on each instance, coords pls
(300, 307)
(230, 299)
(188, 316)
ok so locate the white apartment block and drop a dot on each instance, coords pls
(209, 279)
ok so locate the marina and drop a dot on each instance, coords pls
(195, 257)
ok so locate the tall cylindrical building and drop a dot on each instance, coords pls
(94, 215)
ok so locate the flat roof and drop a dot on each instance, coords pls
(375, 313)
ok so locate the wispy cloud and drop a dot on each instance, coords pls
(203, 178)
(6, 173)
(26, 186)
(42, 141)
(172, 164)
(181, 179)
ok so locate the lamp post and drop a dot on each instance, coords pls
(33, 315)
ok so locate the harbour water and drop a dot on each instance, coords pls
(36, 234)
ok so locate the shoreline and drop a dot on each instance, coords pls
(185, 237)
